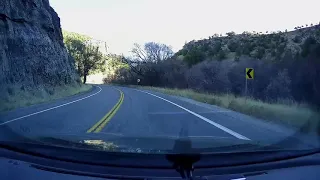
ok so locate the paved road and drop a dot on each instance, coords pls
(132, 112)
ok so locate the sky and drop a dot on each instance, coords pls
(121, 23)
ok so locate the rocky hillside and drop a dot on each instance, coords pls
(256, 45)
(32, 53)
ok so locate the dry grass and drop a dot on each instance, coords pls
(290, 113)
(16, 97)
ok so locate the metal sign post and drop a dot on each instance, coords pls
(249, 75)
(246, 88)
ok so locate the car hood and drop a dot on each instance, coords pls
(152, 144)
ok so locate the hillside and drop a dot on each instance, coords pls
(269, 46)
(286, 66)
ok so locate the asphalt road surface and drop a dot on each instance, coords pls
(132, 112)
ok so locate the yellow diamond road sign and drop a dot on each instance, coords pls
(249, 73)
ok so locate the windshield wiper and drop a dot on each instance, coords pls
(183, 163)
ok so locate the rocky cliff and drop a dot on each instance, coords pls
(32, 53)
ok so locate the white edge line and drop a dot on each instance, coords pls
(55, 107)
(227, 130)
(183, 112)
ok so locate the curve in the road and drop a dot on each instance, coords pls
(55, 107)
(103, 122)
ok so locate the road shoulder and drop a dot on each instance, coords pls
(19, 112)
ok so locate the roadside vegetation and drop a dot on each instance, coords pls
(17, 97)
(285, 88)
(288, 69)
(287, 113)
(89, 54)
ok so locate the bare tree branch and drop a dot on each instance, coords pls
(152, 52)
(139, 53)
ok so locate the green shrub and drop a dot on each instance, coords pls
(230, 34)
(233, 45)
(307, 46)
(297, 39)
(10, 91)
(221, 54)
(50, 91)
(194, 56)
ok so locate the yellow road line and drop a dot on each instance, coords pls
(102, 123)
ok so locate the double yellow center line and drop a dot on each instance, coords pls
(103, 122)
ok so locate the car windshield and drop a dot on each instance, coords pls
(161, 76)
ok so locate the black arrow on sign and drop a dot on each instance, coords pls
(248, 73)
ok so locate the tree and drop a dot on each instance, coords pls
(307, 46)
(115, 67)
(297, 39)
(92, 59)
(151, 52)
(75, 44)
(279, 86)
(209, 76)
(194, 56)
(85, 51)
(230, 34)
(216, 48)
(146, 63)
(259, 52)
(221, 55)
(233, 45)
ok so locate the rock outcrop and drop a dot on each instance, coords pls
(32, 52)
